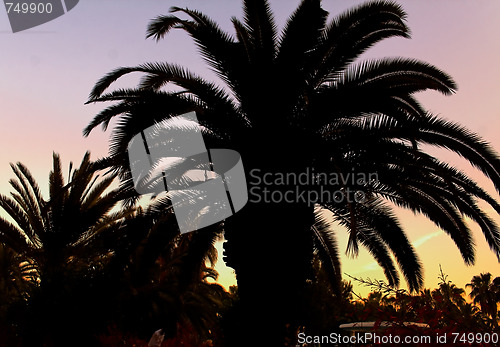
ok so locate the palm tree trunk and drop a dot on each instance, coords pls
(270, 248)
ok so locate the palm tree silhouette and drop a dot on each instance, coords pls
(80, 256)
(294, 101)
(63, 238)
(161, 277)
(485, 291)
(65, 227)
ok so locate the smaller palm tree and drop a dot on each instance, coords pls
(60, 232)
(66, 239)
(89, 261)
(163, 278)
(448, 291)
(486, 293)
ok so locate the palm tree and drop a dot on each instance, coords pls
(162, 278)
(448, 291)
(65, 238)
(471, 319)
(297, 100)
(61, 230)
(78, 261)
(486, 293)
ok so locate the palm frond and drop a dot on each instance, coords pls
(108, 79)
(351, 33)
(380, 218)
(214, 44)
(301, 35)
(368, 237)
(377, 248)
(161, 25)
(449, 135)
(261, 28)
(105, 116)
(329, 249)
(12, 236)
(22, 171)
(400, 76)
(92, 197)
(19, 216)
(27, 203)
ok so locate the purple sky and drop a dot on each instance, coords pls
(47, 72)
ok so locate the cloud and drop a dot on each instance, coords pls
(426, 238)
(372, 266)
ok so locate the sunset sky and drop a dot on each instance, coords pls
(47, 72)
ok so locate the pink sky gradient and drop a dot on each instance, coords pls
(47, 72)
